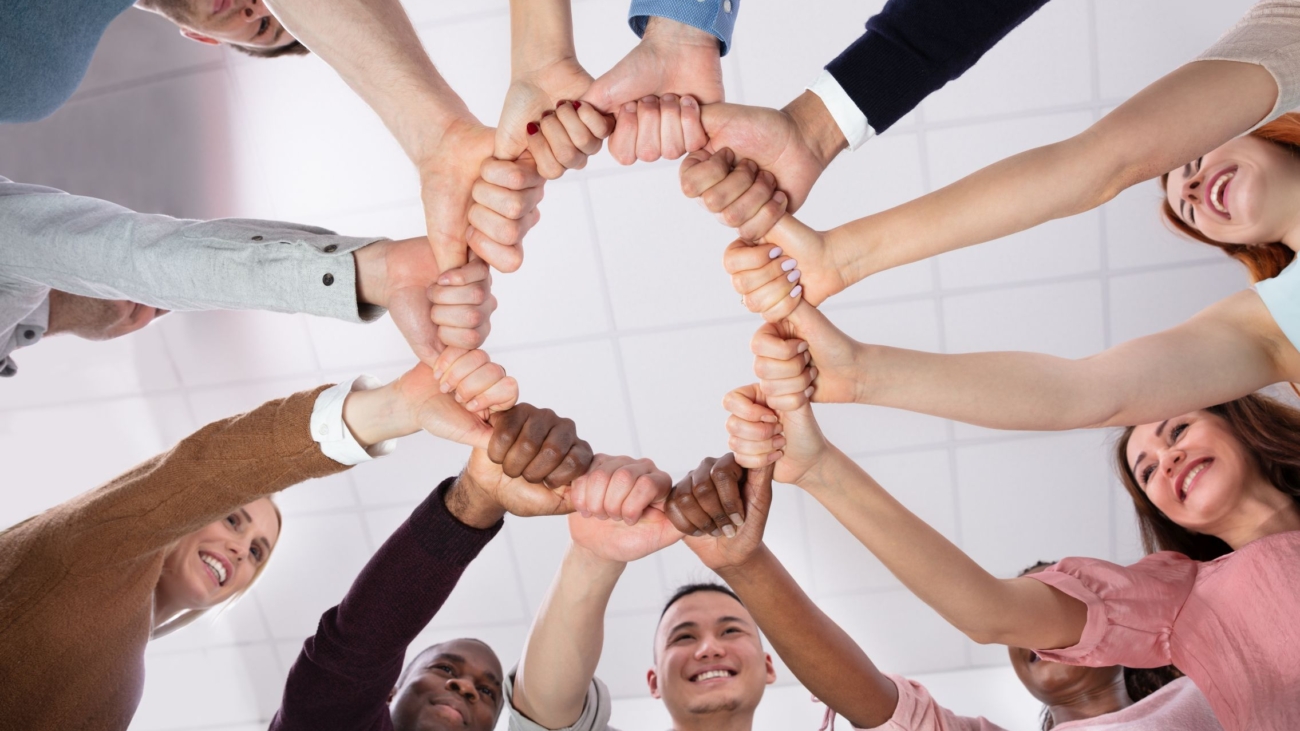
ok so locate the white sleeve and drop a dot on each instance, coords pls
(327, 427)
(851, 121)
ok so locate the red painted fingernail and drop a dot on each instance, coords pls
(577, 104)
(533, 128)
(560, 103)
(547, 113)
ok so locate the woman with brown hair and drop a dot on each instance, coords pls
(1222, 484)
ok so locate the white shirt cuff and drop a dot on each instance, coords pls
(851, 121)
(327, 427)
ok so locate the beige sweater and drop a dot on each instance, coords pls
(77, 581)
(1267, 35)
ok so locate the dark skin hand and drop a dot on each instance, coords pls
(819, 653)
(531, 459)
(708, 500)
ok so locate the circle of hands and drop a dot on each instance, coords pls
(750, 167)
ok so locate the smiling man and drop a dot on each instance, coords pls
(710, 668)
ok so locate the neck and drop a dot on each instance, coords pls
(163, 609)
(1092, 702)
(741, 720)
(1275, 512)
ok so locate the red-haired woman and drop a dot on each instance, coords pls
(1244, 192)
(1217, 493)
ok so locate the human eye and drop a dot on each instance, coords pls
(263, 27)
(1177, 432)
(681, 637)
(483, 690)
(233, 520)
(1146, 473)
(257, 553)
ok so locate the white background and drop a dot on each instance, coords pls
(621, 318)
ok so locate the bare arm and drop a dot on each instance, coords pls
(1227, 351)
(1145, 137)
(819, 653)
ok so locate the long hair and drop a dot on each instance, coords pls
(1265, 259)
(1139, 682)
(1270, 432)
(189, 616)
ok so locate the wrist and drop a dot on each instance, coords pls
(471, 505)
(589, 563)
(445, 130)
(817, 127)
(735, 574)
(372, 273)
(867, 388)
(376, 416)
(668, 32)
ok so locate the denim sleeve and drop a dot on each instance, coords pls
(712, 16)
(913, 47)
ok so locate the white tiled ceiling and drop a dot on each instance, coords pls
(622, 318)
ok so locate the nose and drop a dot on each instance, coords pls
(1191, 190)
(463, 687)
(238, 551)
(709, 648)
(1170, 460)
(254, 11)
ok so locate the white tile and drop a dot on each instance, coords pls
(315, 562)
(1039, 498)
(538, 545)
(64, 369)
(1141, 304)
(579, 381)
(677, 381)
(1138, 43)
(662, 251)
(247, 679)
(1055, 249)
(922, 481)
(628, 653)
(806, 42)
(914, 640)
(35, 445)
(408, 475)
(1057, 319)
(1136, 234)
(350, 346)
(310, 145)
(959, 151)
(560, 291)
(1045, 62)
(426, 12)
(473, 55)
(489, 592)
(211, 348)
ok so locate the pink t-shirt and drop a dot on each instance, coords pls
(1178, 706)
(1232, 624)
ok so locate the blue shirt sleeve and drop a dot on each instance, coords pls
(712, 16)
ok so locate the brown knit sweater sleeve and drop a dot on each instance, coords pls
(224, 465)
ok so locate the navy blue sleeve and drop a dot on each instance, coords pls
(345, 672)
(913, 47)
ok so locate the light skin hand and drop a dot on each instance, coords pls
(657, 127)
(798, 448)
(619, 488)
(739, 194)
(806, 357)
(474, 381)
(672, 57)
(791, 263)
(616, 542)
(407, 405)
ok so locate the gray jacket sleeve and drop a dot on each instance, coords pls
(595, 712)
(99, 249)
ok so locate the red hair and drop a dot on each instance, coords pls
(1264, 260)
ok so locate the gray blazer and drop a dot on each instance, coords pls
(52, 240)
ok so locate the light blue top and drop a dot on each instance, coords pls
(1281, 296)
(712, 16)
(45, 48)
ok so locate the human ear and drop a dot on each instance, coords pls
(771, 668)
(652, 680)
(196, 36)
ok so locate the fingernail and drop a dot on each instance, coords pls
(688, 101)
(803, 348)
(629, 107)
(767, 177)
(533, 128)
(812, 373)
(577, 104)
(788, 264)
(445, 387)
(792, 277)
(798, 290)
(698, 533)
(809, 391)
(561, 103)
(716, 533)
(444, 280)
(669, 97)
(778, 442)
(547, 113)
(735, 518)
(437, 374)
(648, 100)
(774, 253)
(779, 197)
(472, 405)
(728, 531)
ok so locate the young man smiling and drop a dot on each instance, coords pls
(710, 668)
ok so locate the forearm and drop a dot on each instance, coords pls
(564, 644)
(374, 47)
(821, 655)
(541, 33)
(987, 609)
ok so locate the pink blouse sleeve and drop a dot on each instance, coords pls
(917, 711)
(1131, 609)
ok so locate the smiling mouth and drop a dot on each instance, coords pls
(1218, 193)
(215, 567)
(449, 710)
(1185, 482)
(1033, 657)
(712, 675)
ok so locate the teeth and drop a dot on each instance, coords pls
(1216, 193)
(1182, 492)
(710, 675)
(216, 567)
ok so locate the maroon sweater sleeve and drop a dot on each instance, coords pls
(345, 672)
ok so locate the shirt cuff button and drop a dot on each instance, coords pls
(328, 279)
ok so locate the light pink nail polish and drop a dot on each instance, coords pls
(798, 290)
(803, 347)
(788, 264)
(793, 276)
(774, 253)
